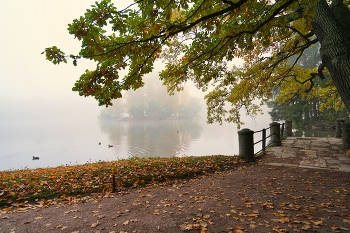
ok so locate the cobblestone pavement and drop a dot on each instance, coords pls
(309, 152)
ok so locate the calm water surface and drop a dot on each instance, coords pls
(72, 142)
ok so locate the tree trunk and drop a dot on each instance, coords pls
(335, 48)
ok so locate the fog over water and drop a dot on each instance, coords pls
(41, 116)
(76, 141)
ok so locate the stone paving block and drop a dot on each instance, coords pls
(282, 164)
(310, 167)
(308, 162)
(310, 154)
(287, 155)
(328, 150)
(275, 149)
(332, 161)
(278, 154)
(290, 150)
(321, 163)
(343, 158)
(337, 143)
(274, 164)
(333, 167)
(326, 154)
(302, 146)
(320, 145)
(344, 165)
(335, 140)
(320, 139)
(344, 169)
(287, 142)
(317, 153)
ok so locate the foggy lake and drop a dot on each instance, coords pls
(71, 142)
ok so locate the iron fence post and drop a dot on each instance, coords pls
(263, 140)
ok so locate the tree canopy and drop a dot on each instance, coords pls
(198, 40)
(312, 109)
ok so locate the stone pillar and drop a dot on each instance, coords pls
(275, 134)
(346, 135)
(338, 127)
(288, 131)
(246, 144)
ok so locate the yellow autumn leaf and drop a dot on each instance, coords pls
(95, 224)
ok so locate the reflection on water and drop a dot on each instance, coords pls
(74, 142)
(313, 133)
(163, 138)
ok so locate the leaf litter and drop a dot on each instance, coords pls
(250, 198)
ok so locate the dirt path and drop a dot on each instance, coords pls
(251, 198)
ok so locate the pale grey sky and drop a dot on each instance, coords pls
(29, 84)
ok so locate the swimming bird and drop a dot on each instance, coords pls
(35, 158)
(99, 143)
(110, 146)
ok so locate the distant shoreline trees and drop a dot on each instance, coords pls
(153, 102)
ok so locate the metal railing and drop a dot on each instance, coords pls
(246, 140)
(264, 137)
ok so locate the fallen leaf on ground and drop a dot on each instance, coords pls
(95, 224)
(186, 226)
(306, 227)
(47, 224)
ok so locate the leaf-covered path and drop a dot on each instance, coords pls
(250, 198)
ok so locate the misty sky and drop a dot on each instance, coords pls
(31, 86)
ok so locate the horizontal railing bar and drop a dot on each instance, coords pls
(262, 130)
(258, 152)
(257, 142)
(264, 137)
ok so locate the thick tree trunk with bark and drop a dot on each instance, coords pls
(334, 38)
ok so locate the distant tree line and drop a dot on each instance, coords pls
(152, 101)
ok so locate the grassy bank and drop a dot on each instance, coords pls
(45, 183)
